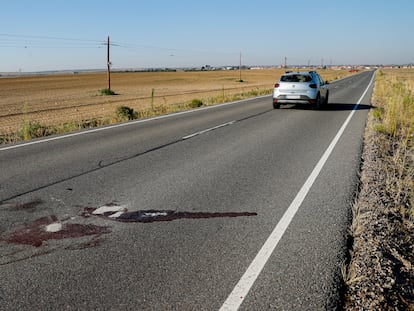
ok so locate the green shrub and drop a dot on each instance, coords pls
(195, 103)
(31, 130)
(86, 124)
(125, 113)
(107, 92)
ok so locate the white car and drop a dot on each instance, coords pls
(300, 88)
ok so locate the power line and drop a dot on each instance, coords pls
(47, 37)
(46, 42)
(24, 41)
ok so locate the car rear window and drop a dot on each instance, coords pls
(296, 78)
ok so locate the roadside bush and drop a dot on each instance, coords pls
(91, 123)
(33, 130)
(107, 92)
(252, 93)
(124, 113)
(8, 138)
(195, 103)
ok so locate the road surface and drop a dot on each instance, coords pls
(239, 206)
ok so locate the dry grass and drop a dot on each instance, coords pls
(394, 118)
(69, 101)
(380, 275)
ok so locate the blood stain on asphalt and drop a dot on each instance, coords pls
(146, 216)
(48, 228)
(153, 215)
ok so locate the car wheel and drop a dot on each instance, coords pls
(276, 105)
(317, 104)
(326, 98)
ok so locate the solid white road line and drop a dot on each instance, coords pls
(240, 291)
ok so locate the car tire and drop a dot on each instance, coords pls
(326, 98)
(276, 106)
(317, 104)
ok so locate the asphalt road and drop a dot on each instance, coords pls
(199, 194)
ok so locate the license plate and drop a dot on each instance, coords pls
(293, 96)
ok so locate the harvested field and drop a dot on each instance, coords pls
(57, 99)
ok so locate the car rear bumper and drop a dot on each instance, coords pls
(302, 99)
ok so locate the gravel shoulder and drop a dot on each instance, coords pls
(380, 275)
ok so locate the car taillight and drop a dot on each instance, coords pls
(277, 85)
(313, 86)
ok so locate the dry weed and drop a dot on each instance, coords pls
(381, 275)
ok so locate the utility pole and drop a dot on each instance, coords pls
(285, 62)
(108, 62)
(240, 79)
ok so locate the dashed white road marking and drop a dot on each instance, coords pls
(208, 130)
(99, 129)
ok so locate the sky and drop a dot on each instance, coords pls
(71, 35)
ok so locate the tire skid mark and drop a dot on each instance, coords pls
(28, 206)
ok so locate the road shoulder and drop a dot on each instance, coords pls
(380, 275)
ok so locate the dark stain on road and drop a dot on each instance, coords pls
(36, 232)
(147, 216)
(48, 228)
(153, 215)
(28, 206)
